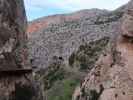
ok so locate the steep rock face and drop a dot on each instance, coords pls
(63, 34)
(63, 48)
(12, 36)
(15, 73)
(112, 76)
(128, 22)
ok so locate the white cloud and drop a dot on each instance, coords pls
(76, 4)
(70, 5)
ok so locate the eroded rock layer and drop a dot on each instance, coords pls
(15, 73)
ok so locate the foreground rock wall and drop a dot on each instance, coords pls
(15, 73)
(12, 35)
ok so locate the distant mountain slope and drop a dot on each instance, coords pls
(64, 48)
(60, 35)
(45, 21)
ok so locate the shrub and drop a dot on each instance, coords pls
(52, 76)
(87, 54)
(71, 59)
(23, 92)
(65, 90)
(93, 95)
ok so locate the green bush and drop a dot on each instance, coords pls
(87, 54)
(71, 59)
(23, 92)
(93, 95)
(52, 77)
(63, 90)
(83, 66)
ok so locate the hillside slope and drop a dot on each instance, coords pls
(64, 48)
(61, 35)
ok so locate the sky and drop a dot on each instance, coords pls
(39, 8)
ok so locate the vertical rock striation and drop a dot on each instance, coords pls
(12, 35)
(15, 71)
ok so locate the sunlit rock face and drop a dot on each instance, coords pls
(112, 76)
(54, 39)
(127, 23)
(12, 35)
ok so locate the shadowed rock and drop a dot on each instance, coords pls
(13, 51)
(16, 81)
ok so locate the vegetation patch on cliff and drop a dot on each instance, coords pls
(58, 83)
(22, 92)
(87, 54)
(63, 90)
(108, 18)
(50, 75)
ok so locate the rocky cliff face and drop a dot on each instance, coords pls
(61, 35)
(112, 76)
(64, 48)
(15, 72)
(12, 36)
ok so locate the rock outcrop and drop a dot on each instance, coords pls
(112, 76)
(13, 52)
(15, 72)
(127, 23)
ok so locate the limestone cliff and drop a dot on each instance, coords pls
(15, 72)
(12, 35)
(64, 48)
(61, 35)
(112, 76)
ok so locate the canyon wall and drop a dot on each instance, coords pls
(61, 35)
(64, 48)
(112, 76)
(16, 81)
